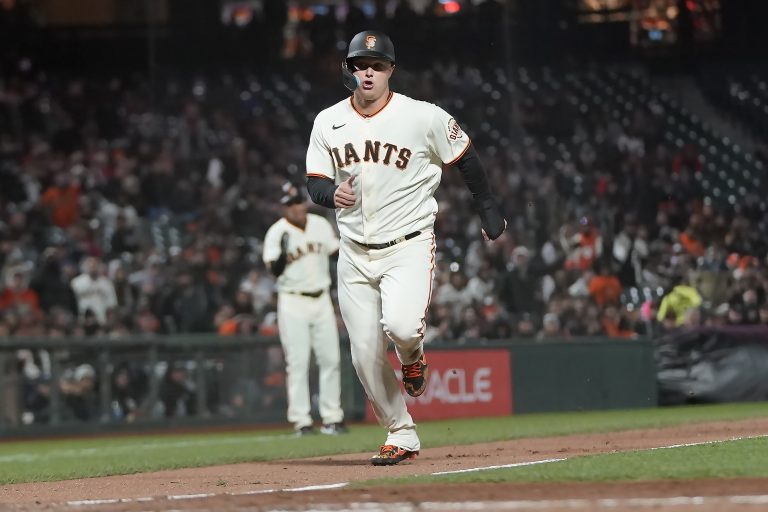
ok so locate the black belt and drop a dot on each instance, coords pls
(390, 243)
(314, 295)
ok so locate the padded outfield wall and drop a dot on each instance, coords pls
(210, 380)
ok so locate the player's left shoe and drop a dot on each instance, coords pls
(415, 376)
(390, 455)
(308, 430)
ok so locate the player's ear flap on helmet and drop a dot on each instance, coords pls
(351, 82)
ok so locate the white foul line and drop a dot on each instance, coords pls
(315, 487)
(685, 445)
(485, 468)
(191, 496)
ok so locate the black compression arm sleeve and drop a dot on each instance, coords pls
(277, 266)
(473, 174)
(321, 191)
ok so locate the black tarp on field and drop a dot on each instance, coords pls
(712, 365)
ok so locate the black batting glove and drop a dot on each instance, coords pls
(492, 221)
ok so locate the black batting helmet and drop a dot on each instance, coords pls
(371, 43)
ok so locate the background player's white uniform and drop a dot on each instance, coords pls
(397, 156)
(306, 318)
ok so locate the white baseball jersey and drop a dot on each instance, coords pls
(397, 156)
(98, 295)
(307, 269)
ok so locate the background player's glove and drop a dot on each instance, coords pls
(490, 218)
(277, 266)
(284, 243)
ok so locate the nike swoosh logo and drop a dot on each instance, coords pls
(337, 127)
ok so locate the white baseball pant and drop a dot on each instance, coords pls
(383, 296)
(309, 325)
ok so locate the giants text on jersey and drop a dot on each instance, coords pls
(396, 155)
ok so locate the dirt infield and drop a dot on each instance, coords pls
(263, 486)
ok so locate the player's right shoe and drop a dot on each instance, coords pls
(415, 376)
(390, 455)
(334, 429)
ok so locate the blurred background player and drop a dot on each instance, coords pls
(296, 250)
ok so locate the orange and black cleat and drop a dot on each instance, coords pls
(390, 455)
(415, 376)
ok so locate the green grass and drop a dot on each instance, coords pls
(730, 459)
(554, 424)
(30, 461)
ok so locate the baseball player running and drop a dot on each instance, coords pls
(377, 158)
(296, 250)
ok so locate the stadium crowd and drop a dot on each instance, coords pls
(123, 213)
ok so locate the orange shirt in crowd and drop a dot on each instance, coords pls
(612, 329)
(63, 204)
(228, 327)
(692, 246)
(10, 298)
(584, 255)
(605, 289)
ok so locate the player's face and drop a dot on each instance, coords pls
(296, 214)
(373, 74)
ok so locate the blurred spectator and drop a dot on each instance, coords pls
(78, 391)
(630, 251)
(129, 389)
(125, 293)
(615, 325)
(260, 287)
(454, 292)
(676, 303)
(61, 200)
(604, 288)
(124, 238)
(94, 292)
(18, 295)
(583, 246)
(189, 303)
(225, 321)
(519, 288)
(525, 327)
(177, 391)
(51, 281)
(550, 327)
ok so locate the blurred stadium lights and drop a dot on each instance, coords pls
(450, 7)
(602, 11)
(240, 13)
(665, 22)
(656, 22)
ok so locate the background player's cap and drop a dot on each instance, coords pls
(291, 194)
(371, 43)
